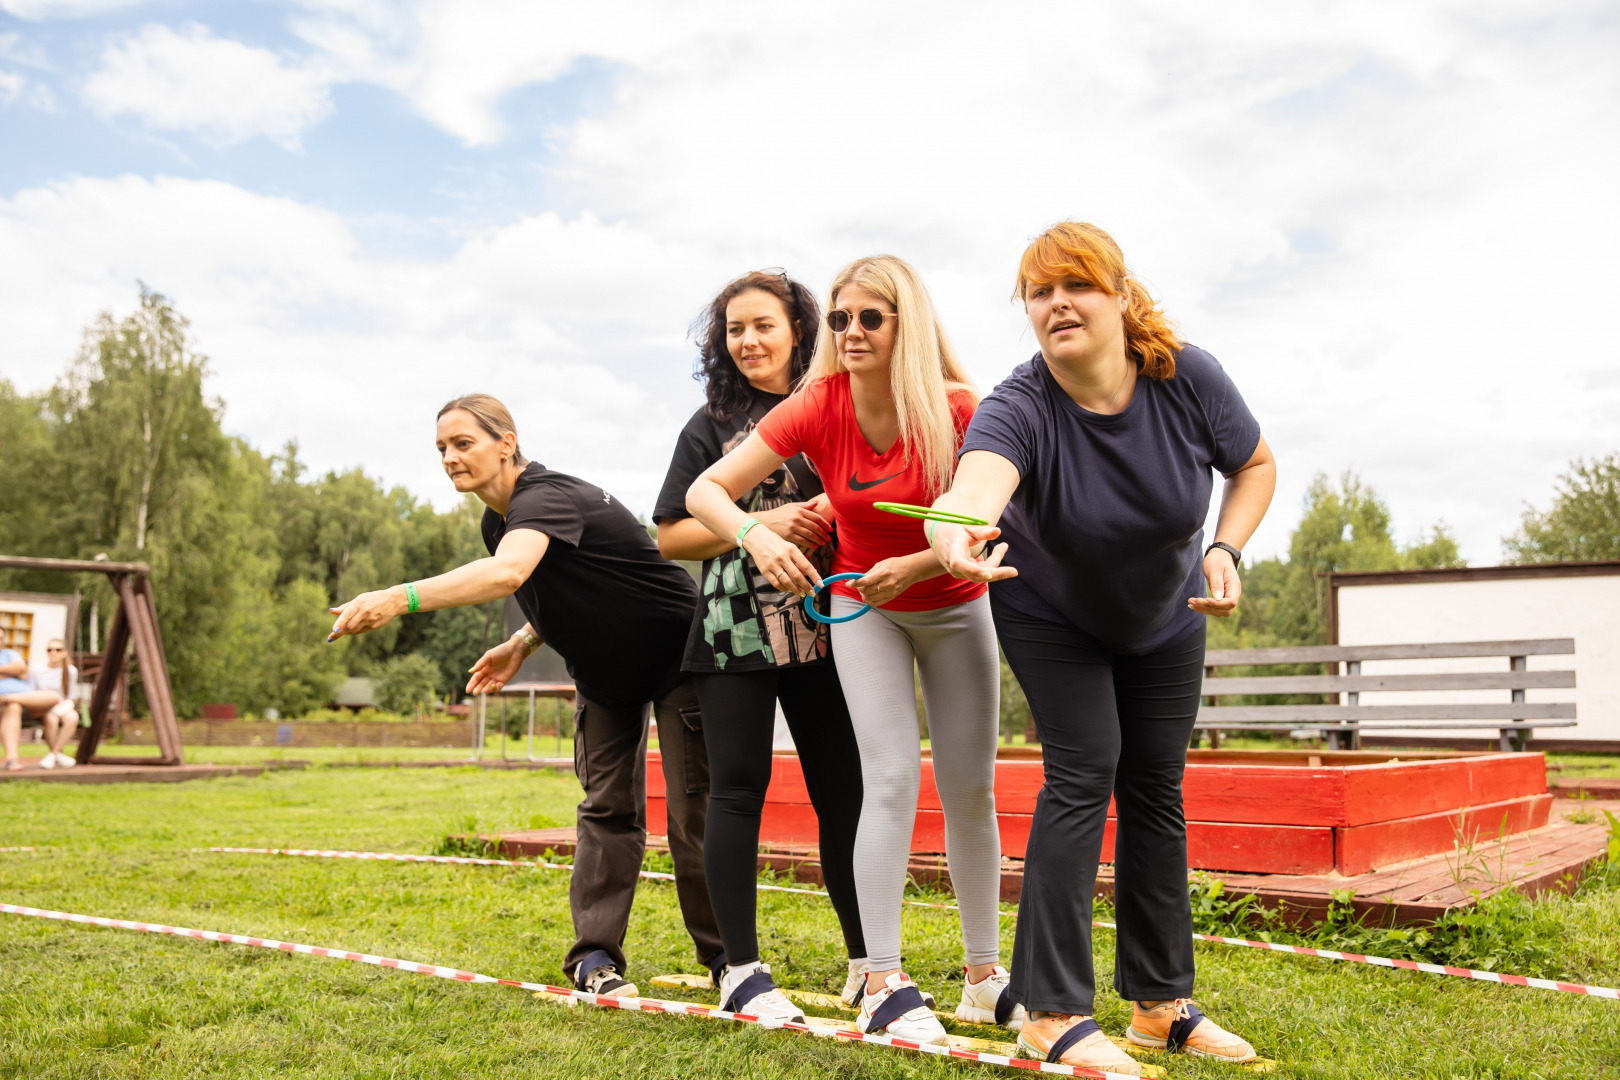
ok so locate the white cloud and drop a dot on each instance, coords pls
(1389, 222)
(36, 10)
(309, 339)
(221, 90)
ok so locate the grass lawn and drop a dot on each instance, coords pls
(80, 1002)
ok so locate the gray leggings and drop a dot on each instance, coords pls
(954, 649)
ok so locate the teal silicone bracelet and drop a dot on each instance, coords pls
(929, 531)
(749, 524)
(413, 603)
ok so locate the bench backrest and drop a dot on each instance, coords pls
(1516, 678)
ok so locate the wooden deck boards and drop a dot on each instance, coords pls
(1554, 856)
(149, 774)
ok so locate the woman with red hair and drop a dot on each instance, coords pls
(1096, 459)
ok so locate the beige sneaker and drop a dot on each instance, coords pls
(1076, 1041)
(1180, 1025)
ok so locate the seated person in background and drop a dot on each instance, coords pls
(47, 693)
(58, 676)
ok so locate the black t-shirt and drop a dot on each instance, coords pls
(602, 596)
(743, 622)
(1106, 527)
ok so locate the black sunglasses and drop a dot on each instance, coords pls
(871, 319)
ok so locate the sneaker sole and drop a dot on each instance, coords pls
(627, 991)
(1029, 1050)
(1137, 1038)
(969, 1014)
(941, 1038)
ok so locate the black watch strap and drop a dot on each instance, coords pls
(1237, 556)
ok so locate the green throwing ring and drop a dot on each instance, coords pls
(929, 514)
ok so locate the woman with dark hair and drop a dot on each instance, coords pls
(751, 644)
(1098, 459)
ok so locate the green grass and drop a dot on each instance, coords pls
(81, 1002)
(1605, 765)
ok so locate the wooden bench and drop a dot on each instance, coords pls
(1341, 724)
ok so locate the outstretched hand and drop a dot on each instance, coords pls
(497, 667)
(954, 547)
(1224, 586)
(365, 613)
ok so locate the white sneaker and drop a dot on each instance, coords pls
(898, 1009)
(64, 762)
(748, 988)
(855, 985)
(989, 1001)
(48, 761)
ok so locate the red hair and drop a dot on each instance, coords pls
(1081, 250)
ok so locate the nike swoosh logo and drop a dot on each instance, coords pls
(857, 485)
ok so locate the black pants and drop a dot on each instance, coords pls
(1109, 725)
(739, 710)
(610, 757)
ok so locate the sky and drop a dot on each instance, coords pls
(1387, 221)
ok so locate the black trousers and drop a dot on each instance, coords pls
(1115, 725)
(610, 758)
(739, 711)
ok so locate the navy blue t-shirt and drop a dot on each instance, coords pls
(1106, 527)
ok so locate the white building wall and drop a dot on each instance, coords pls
(50, 619)
(1584, 608)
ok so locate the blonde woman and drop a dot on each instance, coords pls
(880, 416)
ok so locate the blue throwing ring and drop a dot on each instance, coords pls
(810, 601)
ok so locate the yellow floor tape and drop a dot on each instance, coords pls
(985, 1046)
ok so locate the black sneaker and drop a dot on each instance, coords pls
(598, 974)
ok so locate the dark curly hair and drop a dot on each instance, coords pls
(728, 390)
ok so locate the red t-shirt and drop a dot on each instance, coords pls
(819, 422)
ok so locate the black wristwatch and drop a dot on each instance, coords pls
(1237, 556)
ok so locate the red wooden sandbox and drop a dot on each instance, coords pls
(1252, 811)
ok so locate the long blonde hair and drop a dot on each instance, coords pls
(923, 369)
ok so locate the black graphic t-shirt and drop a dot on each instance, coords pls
(743, 622)
(602, 596)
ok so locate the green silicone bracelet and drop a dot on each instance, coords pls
(749, 524)
(413, 603)
(929, 531)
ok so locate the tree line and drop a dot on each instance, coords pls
(125, 455)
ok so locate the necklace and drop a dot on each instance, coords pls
(1123, 380)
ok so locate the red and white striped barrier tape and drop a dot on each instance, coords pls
(650, 1005)
(1413, 965)
(1299, 950)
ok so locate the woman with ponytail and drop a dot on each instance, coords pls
(1097, 458)
(592, 585)
(880, 415)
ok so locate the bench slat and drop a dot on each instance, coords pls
(1322, 654)
(1518, 710)
(1334, 684)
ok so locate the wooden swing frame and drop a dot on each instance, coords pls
(135, 620)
